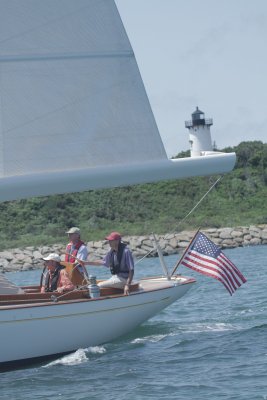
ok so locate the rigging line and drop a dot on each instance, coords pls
(147, 254)
(190, 212)
(202, 198)
(200, 201)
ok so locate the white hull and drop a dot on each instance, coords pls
(43, 330)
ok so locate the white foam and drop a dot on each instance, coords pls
(96, 350)
(151, 338)
(216, 327)
(76, 358)
(248, 311)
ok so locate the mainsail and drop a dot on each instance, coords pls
(74, 114)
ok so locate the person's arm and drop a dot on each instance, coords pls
(64, 282)
(130, 263)
(82, 253)
(129, 281)
(96, 263)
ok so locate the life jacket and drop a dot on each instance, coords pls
(51, 282)
(115, 259)
(69, 254)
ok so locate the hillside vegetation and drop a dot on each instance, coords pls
(238, 199)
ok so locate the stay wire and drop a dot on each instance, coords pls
(190, 212)
(200, 201)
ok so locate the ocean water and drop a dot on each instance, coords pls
(206, 345)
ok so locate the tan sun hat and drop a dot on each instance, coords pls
(74, 229)
(52, 256)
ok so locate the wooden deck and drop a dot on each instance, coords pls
(33, 295)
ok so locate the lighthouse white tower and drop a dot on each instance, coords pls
(199, 134)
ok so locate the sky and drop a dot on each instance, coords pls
(209, 53)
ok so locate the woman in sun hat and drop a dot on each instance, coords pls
(56, 278)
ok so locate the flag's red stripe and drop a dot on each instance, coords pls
(226, 265)
(213, 270)
(221, 270)
(208, 274)
(218, 267)
(243, 279)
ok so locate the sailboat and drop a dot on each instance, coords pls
(74, 116)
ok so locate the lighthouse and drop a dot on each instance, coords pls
(199, 133)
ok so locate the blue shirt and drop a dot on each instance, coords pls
(127, 262)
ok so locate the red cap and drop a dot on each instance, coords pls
(114, 236)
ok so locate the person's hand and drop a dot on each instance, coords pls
(60, 290)
(126, 289)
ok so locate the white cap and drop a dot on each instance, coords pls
(52, 256)
(74, 229)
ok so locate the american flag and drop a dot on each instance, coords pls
(206, 257)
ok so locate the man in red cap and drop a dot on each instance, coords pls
(113, 236)
(120, 261)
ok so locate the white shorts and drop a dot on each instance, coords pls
(114, 281)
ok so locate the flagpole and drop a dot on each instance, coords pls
(179, 261)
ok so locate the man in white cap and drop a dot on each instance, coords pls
(76, 249)
(56, 278)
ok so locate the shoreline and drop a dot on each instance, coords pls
(30, 258)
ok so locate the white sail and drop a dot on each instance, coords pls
(74, 114)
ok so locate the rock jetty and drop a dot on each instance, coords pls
(31, 257)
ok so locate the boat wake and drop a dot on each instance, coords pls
(96, 350)
(194, 328)
(150, 338)
(212, 327)
(78, 357)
